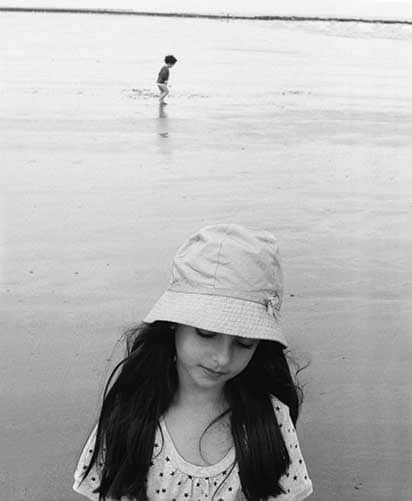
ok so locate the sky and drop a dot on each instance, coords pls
(381, 9)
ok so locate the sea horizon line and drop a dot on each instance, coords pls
(234, 17)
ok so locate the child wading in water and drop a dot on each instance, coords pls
(163, 77)
(203, 407)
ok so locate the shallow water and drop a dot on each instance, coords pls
(375, 9)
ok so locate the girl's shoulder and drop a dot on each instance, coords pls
(280, 408)
(283, 417)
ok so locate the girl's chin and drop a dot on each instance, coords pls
(206, 378)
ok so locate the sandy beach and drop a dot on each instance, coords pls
(300, 129)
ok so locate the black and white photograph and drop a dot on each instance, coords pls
(205, 250)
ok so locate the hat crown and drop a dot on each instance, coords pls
(230, 260)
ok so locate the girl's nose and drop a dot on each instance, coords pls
(223, 352)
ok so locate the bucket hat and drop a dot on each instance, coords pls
(226, 279)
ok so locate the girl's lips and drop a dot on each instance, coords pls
(212, 372)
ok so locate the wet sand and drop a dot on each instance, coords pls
(302, 130)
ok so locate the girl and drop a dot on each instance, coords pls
(203, 407)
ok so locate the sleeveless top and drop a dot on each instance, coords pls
(171, 478)
(163, 75)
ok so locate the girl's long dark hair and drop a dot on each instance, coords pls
(141, 389)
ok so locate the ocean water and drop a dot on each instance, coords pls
(358, 30)
(371, 9)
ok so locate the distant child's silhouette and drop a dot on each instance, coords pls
(163, 77)
(204, 406)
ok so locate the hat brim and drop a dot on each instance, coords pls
(225, 315)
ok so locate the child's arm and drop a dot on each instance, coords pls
(296, 481)
(87, 486)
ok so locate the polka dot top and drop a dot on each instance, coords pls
(171, 478)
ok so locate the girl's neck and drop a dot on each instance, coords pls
(191, 396)
(189, 399)
(203, 400)
(196, 432)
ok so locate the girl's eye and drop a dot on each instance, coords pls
(243, 343)
(246, 346)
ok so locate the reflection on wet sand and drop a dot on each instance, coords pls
(162, 130)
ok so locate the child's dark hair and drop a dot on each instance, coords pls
(170, 60)
(141, 389)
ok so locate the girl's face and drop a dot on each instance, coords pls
(210, 359)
